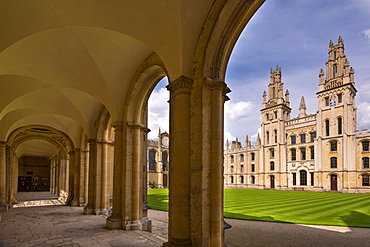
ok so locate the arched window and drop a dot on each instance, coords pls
(165, 161)
(365, 146)
(267, 137)
(253, 167)
(294, 154)
(276, 136)
(272, 153)
(253, 180)
(242, 169)
(327, 126)
(333, 146)
(303, 177)
(242, 179)
(333, 162)
(152, 162)
(252, 156)
(365, 163)
(339, 126)
(272, 165)
(365, 180)
(231, 169)
(232, 179)
(241, 157)
(335, 71)
(231, 158)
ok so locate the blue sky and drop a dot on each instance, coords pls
(295, 36)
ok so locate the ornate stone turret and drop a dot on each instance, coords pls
(227, 144)
(302, 108)
(258, 139)
(287, 94)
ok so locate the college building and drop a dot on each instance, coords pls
(317, 152)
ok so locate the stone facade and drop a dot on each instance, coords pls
(316, 152)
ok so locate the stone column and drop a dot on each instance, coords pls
(179, 180)
(57, 178)
(135, 222)
(52, 169)
(104, 173)
(3, 175)
(84, 176)
(76, 178)
(91, 204)
(115, 220)
(217, 88)
(71, 164)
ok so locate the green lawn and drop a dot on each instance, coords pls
(300, 207)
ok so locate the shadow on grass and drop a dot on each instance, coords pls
(158, 201)
(356, 219)
(250, 217)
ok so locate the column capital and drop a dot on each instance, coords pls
(135, 125)
(102, 141)
(117, 125)
(72, 152)
(3, 144)
(217, 84)
(91, 141)
(180, 85)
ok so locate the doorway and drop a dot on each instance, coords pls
(333, 182)
(272, 182)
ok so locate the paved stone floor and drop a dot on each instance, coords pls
(30, 224)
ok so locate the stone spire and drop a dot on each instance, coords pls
(258, 139)
(302, 108)
(287, 95)
(247, 142)
(227, 144)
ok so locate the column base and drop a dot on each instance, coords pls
(102, 211)
(75, 203)
(114, 223)
(3, 207)
(178, 243)
(88, 210)
(134, 225)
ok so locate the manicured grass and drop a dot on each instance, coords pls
(299, 207)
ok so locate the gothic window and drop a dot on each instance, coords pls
(303, 153)
(312, 150)
(294, 154)
(340, 98)
(273, 92)
(365, 163)
(253, 167)
(252, 156)
(335, 55)
(303, 177)
(152, 162)
(365, 180)
(365, 146)
(272, 165)
(294, 178)
(327, 127)
(165, 161)
(242, 169)
(333, 162)
(335, 71)
(267, 137)
(339, 126)
(267, 117)
(232, 179)
(231, 169)
(312, 178)
(242, 179)
(253, 180)
(303, 138)
(232, 159)
(312, 136)
(241, 158)
(276, 136)
(275, 113)
(327, 101)
(333, 146)
(293, 139)
(272, 153)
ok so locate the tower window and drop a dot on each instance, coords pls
(312, 136)
(252, 156)
(231, 169)
(303, 177)
(293, 139)
(339, 98)
(242, 169)
(365, 163)
(267, 117)
(272, 165)
(303, 154)
(365, 180)
(253, 167)
(340, 126)
(327, 101)
(333, 146)
(327, 127)
(333, 162)
(275, 113)
(241, 158)
(267, 137)
(272, 153)
(276, 136)
(294, 154)
(335, 71)
(312, 149)
(365, 146)
(303, 138)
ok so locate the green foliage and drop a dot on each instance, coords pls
(153, 185)
(299, 207)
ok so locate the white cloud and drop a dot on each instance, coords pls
(363, 116)
(158, 116)
(367, 33)
(237, 111)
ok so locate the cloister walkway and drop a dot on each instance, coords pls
(59, 225)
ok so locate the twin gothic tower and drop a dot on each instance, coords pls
(321, 151)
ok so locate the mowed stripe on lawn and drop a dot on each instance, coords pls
(300, 207)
